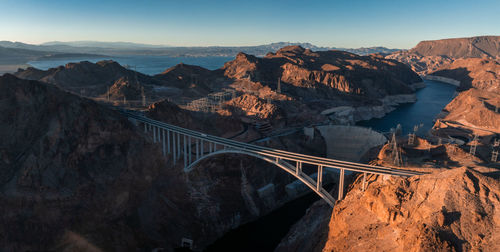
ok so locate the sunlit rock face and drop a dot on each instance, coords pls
(324, 73)
(429, 56)
(483, 74)
(451, 210)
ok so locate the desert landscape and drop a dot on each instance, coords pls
(279, 146)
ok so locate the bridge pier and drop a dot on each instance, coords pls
(178, 146)
(163, 143)
(189, 149)
(158, 134)
(201, 146)
(185, 147)
(319, 179)
(154, 134)
(174, 154)
(197, 147)
(168, 141)
(341, 185)
(145, 128)
(298, 168)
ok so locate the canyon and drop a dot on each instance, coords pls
(455, 206)
(87, 179)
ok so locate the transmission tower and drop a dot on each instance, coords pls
(278, 90)
(473, 146)
(396, 153)
(494, 155)
(411, 136)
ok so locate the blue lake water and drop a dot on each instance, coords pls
(430, 101)
(147, 64)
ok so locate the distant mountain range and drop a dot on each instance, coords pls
(115, 45)
(127, 48)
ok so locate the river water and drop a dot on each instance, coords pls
(430, 101)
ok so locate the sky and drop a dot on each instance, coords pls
(334, 23)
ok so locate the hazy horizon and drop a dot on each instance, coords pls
(343, 24)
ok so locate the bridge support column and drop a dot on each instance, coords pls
(189, 149)
(174, 147)
(364, 181)
(158, 134)
(319, 178)
(185, 153)
(201, 147)
(341, 185)
(168, 141)
(163, 142)
(197, 147)
(178, 146)
(145, 128)
(209, 147)
(154, 134)
(298, 168)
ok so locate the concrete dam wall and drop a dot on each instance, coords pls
(349, 143)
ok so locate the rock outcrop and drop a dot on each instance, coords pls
(87, 78)
(70, 171)
(324, 74)
(473, 47)
(292, 80)
(478, 73)
(451, 210)
(454, 210)
(428, 56)
(75, 175)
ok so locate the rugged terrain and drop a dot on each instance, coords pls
(93, 80)
(71, 170)
(294, 83)
(428, 56)
(455, 210)
(79, 176)
(483, 74)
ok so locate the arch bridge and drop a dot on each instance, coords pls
(191, 147)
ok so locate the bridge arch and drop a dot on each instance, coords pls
(284, 165)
